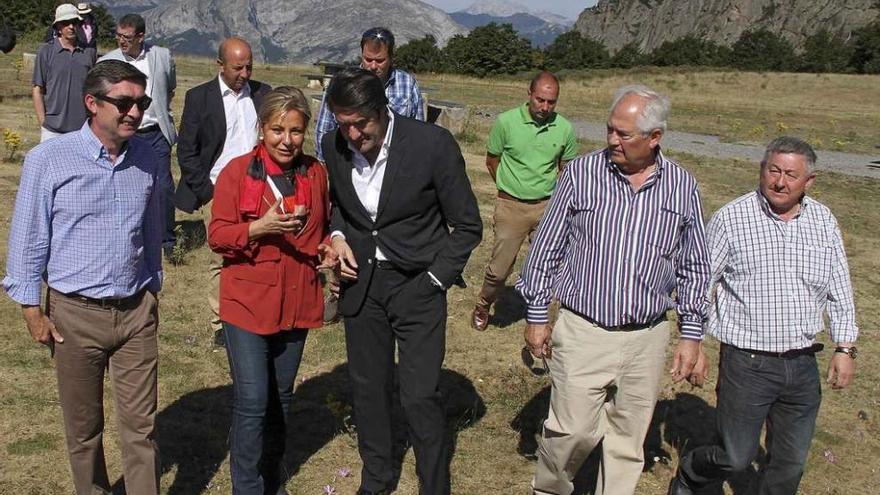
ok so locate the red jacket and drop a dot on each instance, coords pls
(269, 284)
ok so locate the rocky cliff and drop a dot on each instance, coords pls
(649, 23)
(290, 31)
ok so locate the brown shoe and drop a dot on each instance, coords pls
(480, 318)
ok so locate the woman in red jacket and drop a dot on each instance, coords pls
(269, 221)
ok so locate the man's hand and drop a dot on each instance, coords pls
(700, 373)
(40, 326)
(347, 267)
(537, 338)
(841, 370)
(328, 256)
(687, 353)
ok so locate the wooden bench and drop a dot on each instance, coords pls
(448, 114)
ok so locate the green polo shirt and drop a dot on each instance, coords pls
(530, 152)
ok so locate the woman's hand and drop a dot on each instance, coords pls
(273, 222)
(328, 256)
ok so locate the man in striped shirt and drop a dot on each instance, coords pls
(778, 266)
(622, 232)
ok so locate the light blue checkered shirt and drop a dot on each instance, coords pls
(83, 225)
(404, 97)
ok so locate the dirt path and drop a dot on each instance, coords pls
(711, 146)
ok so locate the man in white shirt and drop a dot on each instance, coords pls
(157, 127)
(219, 123)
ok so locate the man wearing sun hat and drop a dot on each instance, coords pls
(59, 72)
(87, 34)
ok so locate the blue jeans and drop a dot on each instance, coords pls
(162, 148)
(263, 370)
(754, 389)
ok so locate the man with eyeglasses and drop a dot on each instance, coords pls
(219, 123)
(404, 97)
(59, 72)
(87, 223)
(157, 126)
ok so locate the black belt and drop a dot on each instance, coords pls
(107, 303)
(504, 195)
(149, 128)
(789, 354)
(627, 327)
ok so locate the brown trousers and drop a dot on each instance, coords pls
(122, 339)
(215, 263)
(512, 223)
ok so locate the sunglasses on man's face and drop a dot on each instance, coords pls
(125, 103)
(68, 22)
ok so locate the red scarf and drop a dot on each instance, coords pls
(252, 189)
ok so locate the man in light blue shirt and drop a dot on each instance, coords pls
(87, 222)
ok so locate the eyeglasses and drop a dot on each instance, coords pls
(68, 22)
(126, 37)
(124, 104)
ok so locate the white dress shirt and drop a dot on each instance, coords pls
(141, 64)
(241, 126)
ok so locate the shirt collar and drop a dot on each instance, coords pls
(96, 149)
(225, 90)
(140, 56)
(659, 160)
(765, 205)
(386, 141)
(60, 48)
(528, 119)
(392, 77)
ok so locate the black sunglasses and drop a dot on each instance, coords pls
(125, 104)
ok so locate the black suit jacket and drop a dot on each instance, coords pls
(425, 191)
(201, 139)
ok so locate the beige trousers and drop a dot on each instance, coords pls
(123, 339)
(587, 362)
(215, 263)
(512, 223)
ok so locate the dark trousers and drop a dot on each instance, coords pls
(166, 184)
(754, 389)
(406, 310)
(263, 369)
(122, 339)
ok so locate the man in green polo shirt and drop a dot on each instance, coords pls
(527, 147)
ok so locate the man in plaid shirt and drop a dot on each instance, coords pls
(778, 266)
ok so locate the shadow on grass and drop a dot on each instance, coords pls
(193, 431)
(684, 423)
(509, 308)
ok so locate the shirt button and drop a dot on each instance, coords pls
(370, 261)
(375, 233)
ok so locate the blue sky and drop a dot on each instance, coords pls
(567, 8)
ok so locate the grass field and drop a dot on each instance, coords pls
(495, 405)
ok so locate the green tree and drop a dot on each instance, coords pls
(571, 50)
(690, 50)
(763, 50)
(487, 51)
(420, 55)
(825, 53)
(628, 56)
(865, 45)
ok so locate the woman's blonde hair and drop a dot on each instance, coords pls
(284, 99)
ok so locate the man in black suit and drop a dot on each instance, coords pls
(397, 185)
(219, 123)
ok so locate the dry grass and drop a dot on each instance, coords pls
(494, 400)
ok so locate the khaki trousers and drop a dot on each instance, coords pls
(587, 362)
(215, 263)
(512, 223)
(123, 339)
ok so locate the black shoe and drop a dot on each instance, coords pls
(361, 491)
(678, 486)
(168, 250)
(219, 338)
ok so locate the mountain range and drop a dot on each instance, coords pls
(648, 23)
(541, 28)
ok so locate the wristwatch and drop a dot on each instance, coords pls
(852, 351)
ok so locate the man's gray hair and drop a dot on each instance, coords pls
(791, 145)
(656, 109)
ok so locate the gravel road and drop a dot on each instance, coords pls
(703, 145)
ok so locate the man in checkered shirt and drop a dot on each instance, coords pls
(778, 266)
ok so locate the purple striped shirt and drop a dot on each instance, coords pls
(616, 256)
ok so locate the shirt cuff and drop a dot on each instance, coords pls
(537, 315)
(691, 330)
(27, 294)
(337, 233)
(436, 281)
